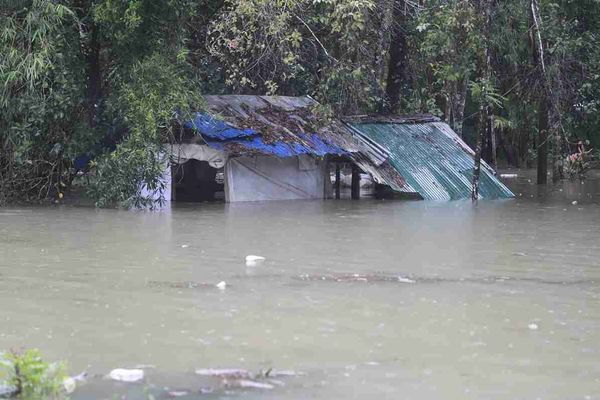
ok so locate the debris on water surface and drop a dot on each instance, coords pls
(126, 375)
(235, 373)
(282, 373)
(242, 378)
(70, 383)
(252, 260)
(246, 383)
(221, 285)
(177, 393)
(533, 326)
(347, 278)
(185, 246)
(179, 285)
(574, 202)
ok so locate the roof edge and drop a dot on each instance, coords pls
(390, 119)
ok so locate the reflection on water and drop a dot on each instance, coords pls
(370, 299)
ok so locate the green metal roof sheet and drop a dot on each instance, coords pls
(432, 159)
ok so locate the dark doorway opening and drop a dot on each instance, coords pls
(196, 181)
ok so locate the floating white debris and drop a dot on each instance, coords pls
(253, 258)
(222, 285)
(185, 246)
(533, 326)
(253, 261)
(405, 280)
(279, 373)
(245, 383)
(178, 393)
(69, 385)
(126, 375)
(509, 176)
(574, 203)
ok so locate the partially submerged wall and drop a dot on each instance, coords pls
(262, 178)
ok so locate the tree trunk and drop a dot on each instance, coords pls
(557, 158)
(545, 95)
(396, 76)
(478, 145)
(458, 105)
(542, 149)
(493, 142)
(485, 112)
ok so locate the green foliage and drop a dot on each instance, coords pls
(40, 98)
(156, 96)
(320, 47)
(31, 377)
(112, 80)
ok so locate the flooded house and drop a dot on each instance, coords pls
(258, 148)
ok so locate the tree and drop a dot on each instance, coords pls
(75, 82)
(484, 92)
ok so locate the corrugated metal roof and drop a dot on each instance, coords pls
(414, 154)
(284, 127)
(432, 159)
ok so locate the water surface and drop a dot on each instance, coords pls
(103, 289)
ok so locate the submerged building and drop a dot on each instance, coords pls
(256, 148)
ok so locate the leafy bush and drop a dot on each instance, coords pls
(29, 377)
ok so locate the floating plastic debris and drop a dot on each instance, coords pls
(179, 285)
(231, 373)
(533, 326)
(185, 246)
(177, 393)
(70, 383)
(281, 373)
(574, 203)
(405, 280)
(126, 375)
(222, 285)
(252, 260)
(255, 258)
(246, 383)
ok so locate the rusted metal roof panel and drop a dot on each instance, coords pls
(287, 126)
(431, 158)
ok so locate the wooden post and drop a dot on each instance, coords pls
(337, 180)
(355, 182)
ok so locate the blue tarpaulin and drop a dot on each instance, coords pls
(222, 136)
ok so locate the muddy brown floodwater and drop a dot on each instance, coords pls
(367, 299)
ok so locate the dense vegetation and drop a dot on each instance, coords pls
(110, 80)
